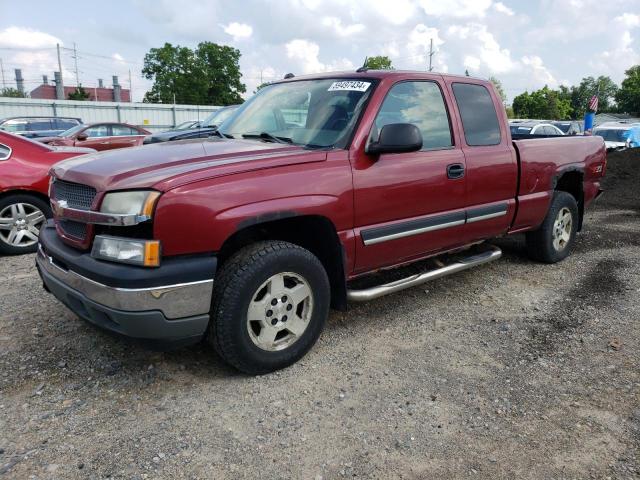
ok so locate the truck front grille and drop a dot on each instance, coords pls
(74, 229)
(76, 195)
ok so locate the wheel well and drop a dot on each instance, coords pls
(571, 182)
(33, 193)
(315, 233)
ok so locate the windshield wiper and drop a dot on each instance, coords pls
(268, 136)
(217, 132)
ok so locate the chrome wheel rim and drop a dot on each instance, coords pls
(279, 311)
(562, 227)
(20, 224)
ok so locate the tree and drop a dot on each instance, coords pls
(628, 97)
(498, 84)
(542, 104)
(261, 86)
(209, 75)
(588, 87)
(79, 94)
(11, 92)
(379, 62)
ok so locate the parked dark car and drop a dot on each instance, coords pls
(570, 127)
(33, 127)
(205, 129)
(100, 136)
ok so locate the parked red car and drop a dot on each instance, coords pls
(100, 136)
(24, 181)
(247, 238)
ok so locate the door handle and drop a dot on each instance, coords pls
(455, 170)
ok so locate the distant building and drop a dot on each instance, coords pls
(98, 94)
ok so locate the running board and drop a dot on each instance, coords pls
(493, 253)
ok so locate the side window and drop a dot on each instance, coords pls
(421, 104)
(65, 123)
(5, 152)
(98, 131)
(478, 113)
(121, 131)
(39, 124)
(15, 125)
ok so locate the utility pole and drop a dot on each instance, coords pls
(60, 68)
(4, 84)
(75, 59)
(430, 54)
(130, 88)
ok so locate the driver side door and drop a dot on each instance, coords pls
(409, 205)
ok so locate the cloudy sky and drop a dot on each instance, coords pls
(526, 44)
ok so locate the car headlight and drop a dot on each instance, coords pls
(137, 202)
(145, 253)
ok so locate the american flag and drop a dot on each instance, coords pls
(593, 103)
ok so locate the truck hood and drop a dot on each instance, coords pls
(164, 166)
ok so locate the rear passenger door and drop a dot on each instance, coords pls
(409, 204)
(124, 136)
(491, 164)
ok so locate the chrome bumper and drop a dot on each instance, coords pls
(174, 301)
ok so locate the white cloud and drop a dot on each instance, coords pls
(629, 20)
(19, 37)
(536, 73)
(502, 8)
(455, 8)
(118, 58)
(396, 12)
(418, 44)
(481, 44)
(238, 31)
(472, 63)
(342, 30)
(305, 53)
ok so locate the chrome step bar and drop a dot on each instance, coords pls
(492, 253)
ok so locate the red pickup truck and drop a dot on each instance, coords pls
(247, 238)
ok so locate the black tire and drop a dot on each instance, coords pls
(540, 243)
(235, 286)
(6, 247)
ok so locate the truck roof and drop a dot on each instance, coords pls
(381, 74)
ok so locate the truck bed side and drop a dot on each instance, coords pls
(543, 162)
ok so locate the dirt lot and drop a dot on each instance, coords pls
(512, 370)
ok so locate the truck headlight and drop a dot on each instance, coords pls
(137, 202)
(144, 253)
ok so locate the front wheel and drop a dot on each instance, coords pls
(21, 217)
(553, 241)
(270, 304)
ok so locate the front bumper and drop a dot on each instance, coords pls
(169, 305)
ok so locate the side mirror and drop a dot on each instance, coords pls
(82, 136)
(396, 138)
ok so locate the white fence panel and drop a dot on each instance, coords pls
(152, 116)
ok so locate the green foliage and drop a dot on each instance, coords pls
(628, 96)
(79, 94)
(510, 113)
(208, 75)
(379, 62)
(261, 86)
(11, 92)
(498, 84)
(542, 104)
(588, 87)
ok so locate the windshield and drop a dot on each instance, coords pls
(520, 130)
(563, 126)
(312, 113)
(611, 135)
(219, 116)
(72, 130)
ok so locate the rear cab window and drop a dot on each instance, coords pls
(478, 113)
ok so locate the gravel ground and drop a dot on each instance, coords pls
(512, 370)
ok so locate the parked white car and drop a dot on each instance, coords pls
(618, 135)
(535, 128)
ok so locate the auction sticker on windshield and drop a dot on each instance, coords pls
(351, 85)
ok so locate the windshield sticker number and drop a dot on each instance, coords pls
(349, 85)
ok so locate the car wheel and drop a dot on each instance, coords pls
(21, 217)
(270, 304)
(555, 238)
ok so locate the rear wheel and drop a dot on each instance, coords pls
(553, 241)
(270, 304)
(21, 217)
